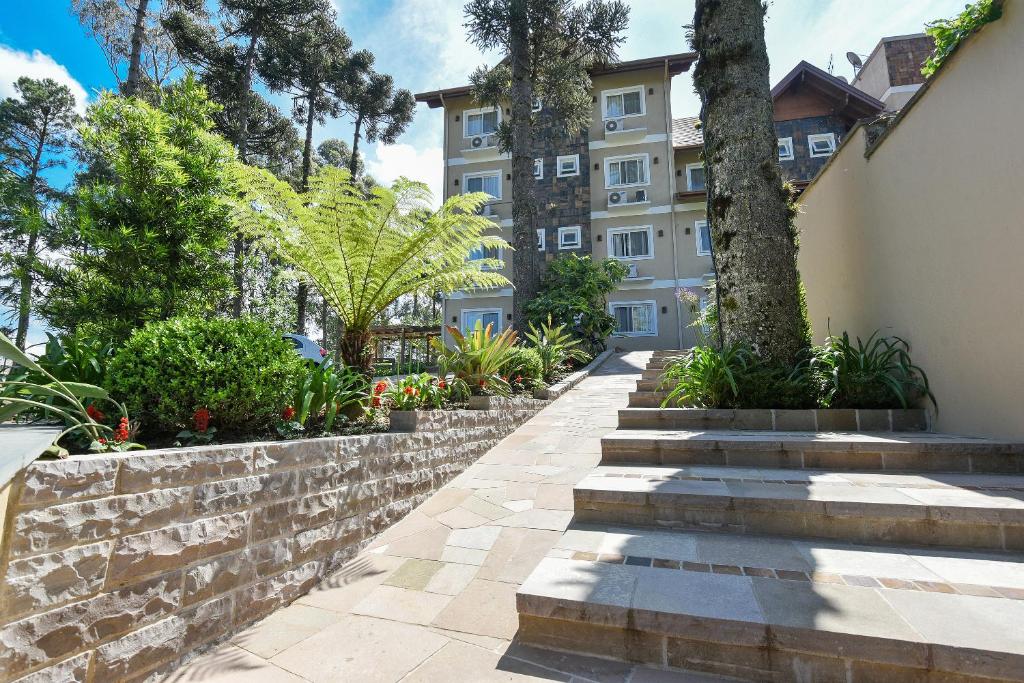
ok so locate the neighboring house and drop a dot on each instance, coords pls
(892, 72)
(916, 230)
(631, 187)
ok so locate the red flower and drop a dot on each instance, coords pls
(95, 413)
(376, 401)
(519, 379)
(441, 384)
(201, 419)
(483, 382)
(103, 441)
(288, 414)
(323, 352)
(121, 433)
(380, 387)
(410, 391)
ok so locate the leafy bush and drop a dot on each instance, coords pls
(240, 370)
(555, 347)
(877, 373)
(77, 358)
(524, 367)
(949, 33)
(419, 392)
(324, 391)
(574, 294)
(707, 377)
(478, 358)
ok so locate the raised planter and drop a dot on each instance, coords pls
(555, 390)
(505, 403)
(814, 420)
(405, 421)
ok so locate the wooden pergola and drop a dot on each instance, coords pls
(406, 335)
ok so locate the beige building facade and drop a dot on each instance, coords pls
(921, 234)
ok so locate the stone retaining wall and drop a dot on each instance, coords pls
(116, 566)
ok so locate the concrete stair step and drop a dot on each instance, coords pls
(777, 609)
(650, 385)
(958, 511)
(770, 419)
(652, 373)
(888, 451)
(647, 399)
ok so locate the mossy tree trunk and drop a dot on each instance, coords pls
(749, 212)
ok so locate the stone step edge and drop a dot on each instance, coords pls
(771, 419)
(562, 615)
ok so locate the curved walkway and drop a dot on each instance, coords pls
(433, 597)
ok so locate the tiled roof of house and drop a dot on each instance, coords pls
(686, 132)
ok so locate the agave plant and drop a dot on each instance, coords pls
(477, 357)
(877, 373)
(555, 346)
(36, 391)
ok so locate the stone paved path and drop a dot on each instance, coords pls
(433, 598)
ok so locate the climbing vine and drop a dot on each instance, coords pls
(948, 33)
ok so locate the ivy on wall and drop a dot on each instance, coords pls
(949, 33)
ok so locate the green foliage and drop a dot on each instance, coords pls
(949, 33)
(30, 389)
(364, 252)
(555, 347)
(419, 392)
(77, 357)
(707, 377)
(477, 358)
(524, 368)
(324, 391)
(574, 294)
(877, 373)
(156, 224)
(240, 370)
(703, 321)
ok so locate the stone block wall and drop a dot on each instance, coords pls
(116, 566)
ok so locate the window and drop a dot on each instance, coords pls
(631, 243)
(635, 318)
(537, 105)
(538, 169)
(695, 177)
(623, 102)
(481, 253)
(485, 316)
(703, 238)
(489, 182)
(569, 165)
(785, 149)
(625, 171)
(569, 238)
(480, 122)
(822, 145)
(540, 240)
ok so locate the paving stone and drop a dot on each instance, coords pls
(451, 579)
(552, 520)
(231, 664)
(516, 553)
(484, 607)
(458, 661)
(518, 505)
(463, 555)
(400, 604)
(340, 591)
(479, 538)
(284, 628)
(461, 518)
(414, 574)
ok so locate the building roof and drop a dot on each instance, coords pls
(848, 100)
(686, 132)
(677, 64)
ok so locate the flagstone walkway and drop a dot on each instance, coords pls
(433, 598)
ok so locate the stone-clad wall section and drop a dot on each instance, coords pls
(116, 566)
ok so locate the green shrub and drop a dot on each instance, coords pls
(323, 391)
(239, 370)
(556, 348)
(524, 362)
(477, 357)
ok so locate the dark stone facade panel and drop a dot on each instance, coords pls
(562, 202)
(905, 58)
(804, 167)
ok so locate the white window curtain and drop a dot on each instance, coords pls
(627, 172)
(491, 184)
(631, 244)
(482, 124)
(623, 104)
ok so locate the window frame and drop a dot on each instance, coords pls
(500, 257)
(689, 178)
(697, 225)
(484, 174)
(542, 242)
(466, 113)
(644, 156)
(540, 163)
(462, 317)
(558, 165)
(789, 143)
(811, 139)
(649, 229)
(537, 105)
(641, 89)
(612, 305)
(565, 230)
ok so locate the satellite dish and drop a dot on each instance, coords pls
(854, 59)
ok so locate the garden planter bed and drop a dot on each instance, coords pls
(124, 563)
(444, 420)
(506, 403)
(555, 390)
(816, 420)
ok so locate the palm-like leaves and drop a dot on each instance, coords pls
(555, 347)
(363, 252)
(477, 357)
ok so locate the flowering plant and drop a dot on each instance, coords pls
(419, 391)
(201, 433)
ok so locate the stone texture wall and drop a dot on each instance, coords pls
(115, 567)
(906, 57)
(804, 167)
(565, 201)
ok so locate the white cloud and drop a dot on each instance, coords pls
(14, 64)
(426, 164)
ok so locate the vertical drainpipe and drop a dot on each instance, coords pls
(670, 153)
(444, 195)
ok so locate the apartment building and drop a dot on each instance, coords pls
(630, 187)
(892, 72)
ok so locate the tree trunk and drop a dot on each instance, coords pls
(752, 237)
(131, 86)
(242, 121)
(353, 162)
(525, 266)
(357, 350)
(302, 293)
(25, 292)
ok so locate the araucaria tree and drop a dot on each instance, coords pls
(550, 47)
(36, 130)
(364, 252)
(752, 234)
(156, 225)
(379, 112)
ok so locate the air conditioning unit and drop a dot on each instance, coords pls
(615, 198)
(614, 125)
(486, 210)
(640, 196)
(477, 142)
(633, 271)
